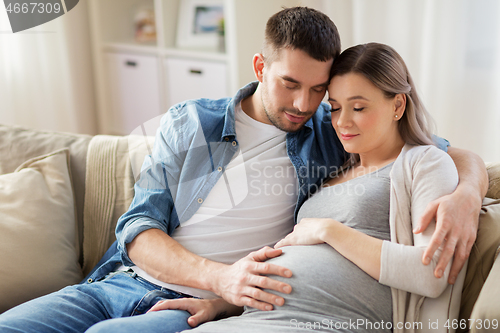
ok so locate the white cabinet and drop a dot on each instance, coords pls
(167, 73)
(134, 95)
(189, 79)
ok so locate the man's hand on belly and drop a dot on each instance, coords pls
(242, 282)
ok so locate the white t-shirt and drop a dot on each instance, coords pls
(250, 206)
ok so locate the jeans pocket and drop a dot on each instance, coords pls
(151, 298)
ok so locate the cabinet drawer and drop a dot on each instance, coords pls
(189, 79)
(134, 90)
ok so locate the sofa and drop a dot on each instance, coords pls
(61, 195)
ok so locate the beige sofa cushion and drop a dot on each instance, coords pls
(494, 180)
(482, 255)
(113, 165)
(486, 312)
(18, 145)
(485, 249)
(37, 230)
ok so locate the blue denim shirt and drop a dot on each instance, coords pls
(195, 142)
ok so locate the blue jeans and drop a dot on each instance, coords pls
(117, 303)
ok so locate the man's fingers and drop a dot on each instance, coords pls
(264, 254)
(264, 297)
(427, 217)
(251, 302)
(445, 256)
(461, 255)
(265, 268)
(436, 241)
(193, 321)
(198, 318)
(173, 304)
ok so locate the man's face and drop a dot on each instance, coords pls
(293, 86)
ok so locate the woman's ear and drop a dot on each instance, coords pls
(258, 66)
(399, 105)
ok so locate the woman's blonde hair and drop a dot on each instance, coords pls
(385, 68)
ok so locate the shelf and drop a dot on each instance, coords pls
(142, 48)
(115, 18)
(202, 54)
(152, 49)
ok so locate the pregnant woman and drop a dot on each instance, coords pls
(356, 262)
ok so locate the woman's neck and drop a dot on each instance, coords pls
(382, 156)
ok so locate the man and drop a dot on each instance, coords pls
(197, 211)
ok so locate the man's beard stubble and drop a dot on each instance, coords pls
(275, 119)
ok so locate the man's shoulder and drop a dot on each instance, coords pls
(201, 104)
(321, 122)
(322, 115)
(195, 110)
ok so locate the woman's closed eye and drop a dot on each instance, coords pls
(355, 109)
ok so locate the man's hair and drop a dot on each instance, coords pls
(301, 28)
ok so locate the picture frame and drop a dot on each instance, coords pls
(199, 24)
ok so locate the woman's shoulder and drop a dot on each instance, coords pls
(427, 156)
(426, 152)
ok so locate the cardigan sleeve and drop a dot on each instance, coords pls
(433, 175)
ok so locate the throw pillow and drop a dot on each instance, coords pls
(37, 230)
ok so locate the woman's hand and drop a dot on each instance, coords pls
(309, 231)
(201, 310)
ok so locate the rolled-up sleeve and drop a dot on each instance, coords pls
(153, 202)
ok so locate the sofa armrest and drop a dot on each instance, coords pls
(487, 307)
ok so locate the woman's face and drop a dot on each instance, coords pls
(363, 117)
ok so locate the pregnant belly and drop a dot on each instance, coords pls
(326, 283)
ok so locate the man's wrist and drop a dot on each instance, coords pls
(212, 275)
(470, 191)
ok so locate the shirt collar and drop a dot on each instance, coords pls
(229, 126)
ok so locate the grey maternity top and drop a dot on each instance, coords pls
(330, 293)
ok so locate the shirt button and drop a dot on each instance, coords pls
(234, 143)
(200, 200)
(219, 169)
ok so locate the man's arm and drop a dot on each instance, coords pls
(142, 232)
(239, 284)
(457, 214)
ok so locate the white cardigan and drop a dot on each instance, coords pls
(419, 175)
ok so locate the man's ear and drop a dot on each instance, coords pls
(258, 66)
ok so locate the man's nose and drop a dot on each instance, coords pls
(302, 101)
